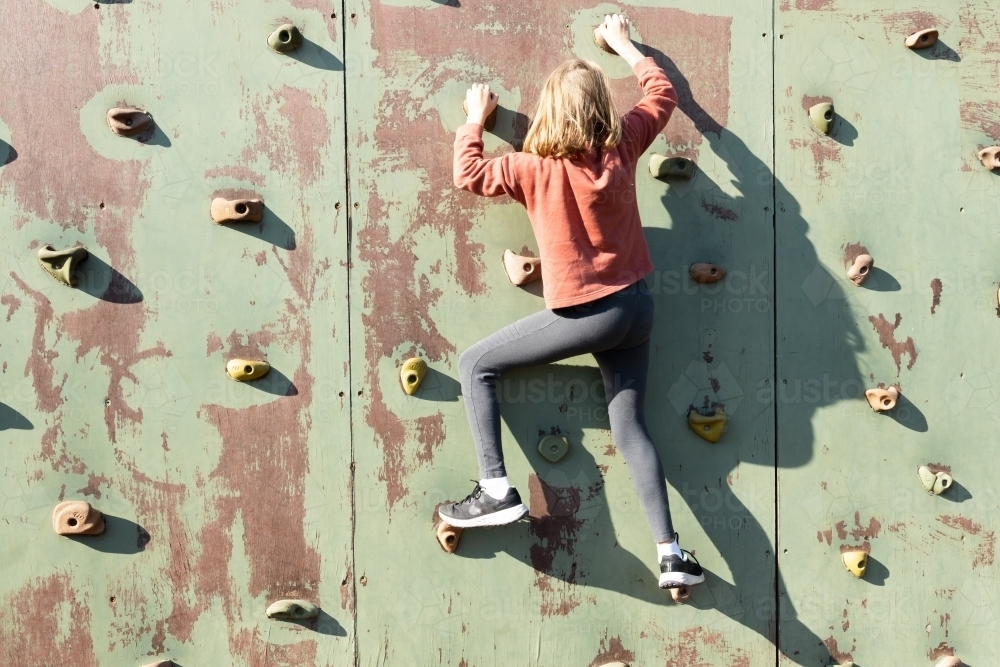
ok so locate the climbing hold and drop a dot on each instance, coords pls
(77, 517)
(922, 39)
(822, 115)
(285, 39)
(936, 483)
(706, 273)
(882, 399)
(855, 561)
(490, 121)
(709, 427)
(126, 122)
(602, 43)
(521, 270)
(661, 166)
(237, 210)
(412, 374)
(553, 447)
(990, 157)
(614, 664)
(160, 663)
(863, 265)
(292, 610)
(60, 263)
(447, 535)
(242, 370)
(949, 661)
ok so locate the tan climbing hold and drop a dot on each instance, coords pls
(77, 517)
(521, 270)
(490, 121)
(862, 267)
(447, 535)
(60, 263)
(706, 273)
(949, 661)
(285, 38)
(412, 374)
(661, 166)
(243, 370)
(882, 399)
(856, 562)
(292, 610)
(237, 210)
(681, 594)
(603, 43)
(922, 39)
(161, 663)
(709, 427)
(935, 483)
(990, 157)
(128, 122)
(822, 116)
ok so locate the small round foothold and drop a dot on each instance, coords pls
(860, 270)
(128, 122)
(681, 595)
(706, 273)
(822, 116)
(990, 157)
(448, 536)
(553, 448)
(603, 43)
(490, 121)
(949, 661)
(411, 374)
(856, 562)
(243, 370)
(922, 39)
(661, 166)
(237, 210)
(520, 269)
(77, 517)
(285, 39)
(292, 610)
(882, 399)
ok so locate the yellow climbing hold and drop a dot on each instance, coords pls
(243, 370)
(822, 115)
(709, 427)
(856, 562)
(412, 374)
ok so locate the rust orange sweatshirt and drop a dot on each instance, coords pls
(583, 210)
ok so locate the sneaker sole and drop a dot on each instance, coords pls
(680, 579)
(501, 518)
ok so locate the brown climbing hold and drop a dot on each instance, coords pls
(77, 517)
(490, 121)
(990, 157)
(521, 270)
(448, 536)
(882, 399)
(603, 43)
(412, 374)
(862, 267)
(243, 370)
(237, 210)
(822, 116)
(706, 273)
(127, 122)
(60, 263)
(661, 166)
(709, 427)
(949, 661)
(922, 39)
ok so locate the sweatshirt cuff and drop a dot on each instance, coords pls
(470, 129)
(643, 65)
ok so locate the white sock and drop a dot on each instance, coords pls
(668, 549)
(497, 487)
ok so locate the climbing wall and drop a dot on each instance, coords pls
(898, 178)
(219, 497)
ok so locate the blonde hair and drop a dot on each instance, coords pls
(575, 113)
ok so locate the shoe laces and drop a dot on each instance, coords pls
(475, 495)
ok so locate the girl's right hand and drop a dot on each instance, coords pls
(480, 103)
(615, 31)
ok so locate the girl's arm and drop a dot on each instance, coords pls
(488, 178)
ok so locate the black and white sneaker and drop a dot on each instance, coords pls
(481, 509)
(677, 571)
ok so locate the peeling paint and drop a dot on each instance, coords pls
(887, 336)
(936, 287)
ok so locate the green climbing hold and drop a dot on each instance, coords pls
(553, 448)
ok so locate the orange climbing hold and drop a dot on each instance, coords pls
(706, 273)
(922, 39)
(237, 210)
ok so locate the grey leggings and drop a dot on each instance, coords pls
(615, 329)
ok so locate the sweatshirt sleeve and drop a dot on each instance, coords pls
(487, 178)
(650, 115)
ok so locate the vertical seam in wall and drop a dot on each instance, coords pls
(350, 340)
(774, 323)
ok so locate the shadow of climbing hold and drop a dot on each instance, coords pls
(521, 270)
(949, 661)
(490, 121)
(706, 273)
(882, 399)
(822, 116)
(243, 370)
(77, 517)
(862, 267)
(237, 210)
(60, 263)
(412, 374)
(448, 536)
(922, 39)
(709, 427)
(602, 43)
(990, 157)
(285, 38)
(292, 610)
(128, 122)
(935, 483)
(553, 448)
(661, 166)
(856, 561)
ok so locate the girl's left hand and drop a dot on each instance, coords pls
(480, 103)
